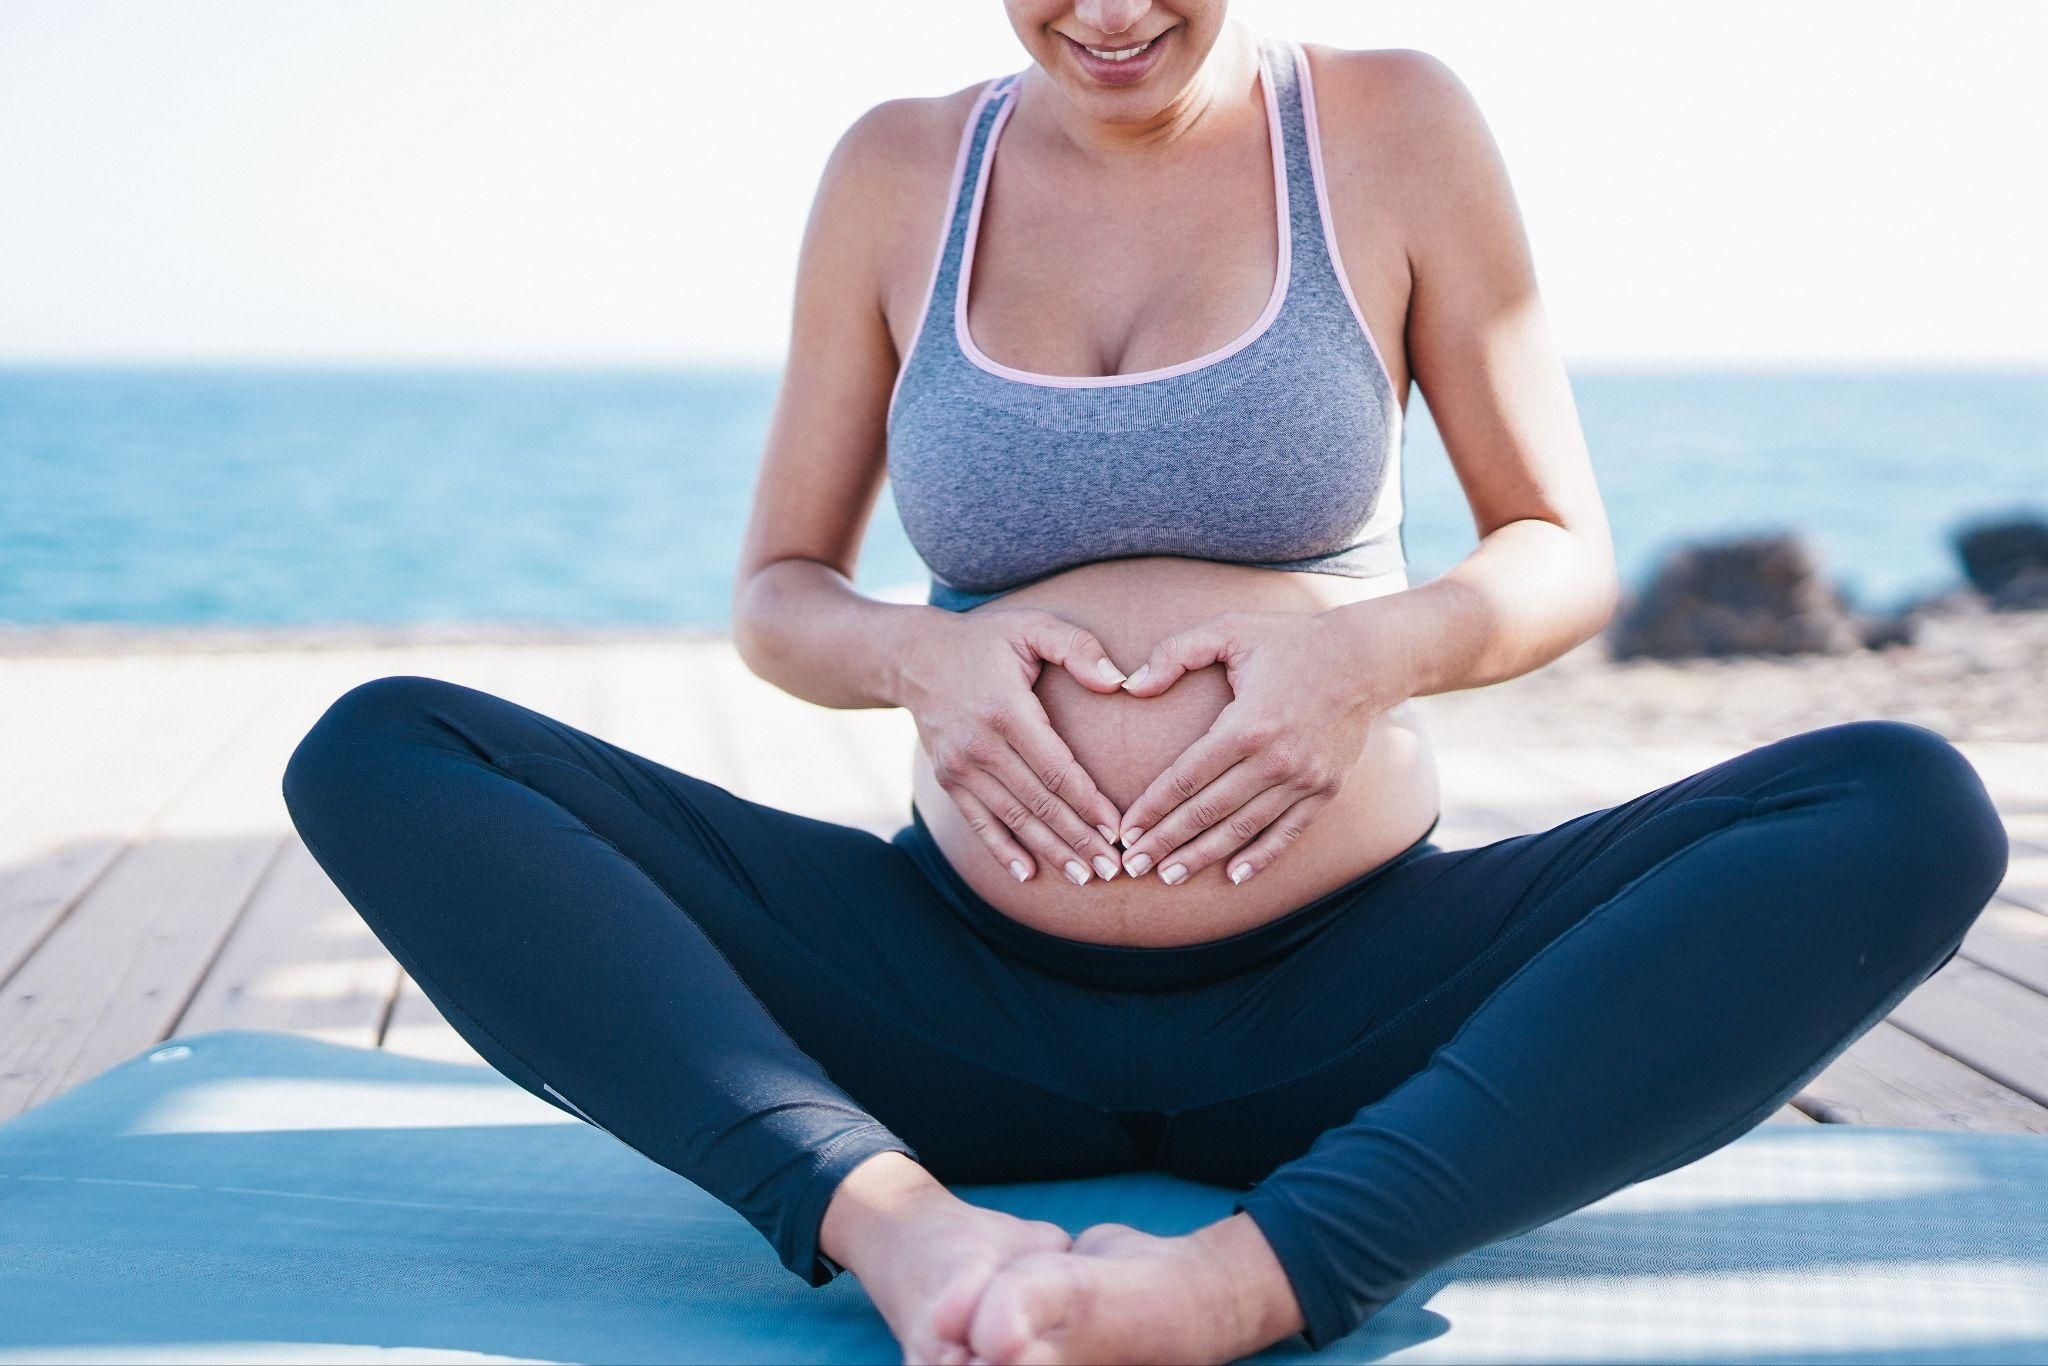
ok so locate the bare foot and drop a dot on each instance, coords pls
(1124, 1296)
(923, 1255)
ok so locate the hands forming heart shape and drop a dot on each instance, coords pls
(1301, 705)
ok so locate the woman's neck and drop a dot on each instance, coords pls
(1219, 93)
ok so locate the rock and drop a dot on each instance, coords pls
(1752, 595)
(1952, 602)
(2026, 591)
(1880, 632)
(1995, 553)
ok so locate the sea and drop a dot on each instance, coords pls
(252, 497)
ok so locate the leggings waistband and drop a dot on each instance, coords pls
(1119, 967)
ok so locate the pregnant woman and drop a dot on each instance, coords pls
(1131, 332)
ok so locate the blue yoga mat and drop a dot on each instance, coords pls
(255, 1196)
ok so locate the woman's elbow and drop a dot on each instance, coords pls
(753, 633)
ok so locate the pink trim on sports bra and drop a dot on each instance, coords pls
(988, 92)
(1312, 132)
(1283, 270)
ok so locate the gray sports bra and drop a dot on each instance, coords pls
(1281, 449)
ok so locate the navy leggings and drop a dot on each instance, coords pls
(1456, 1047)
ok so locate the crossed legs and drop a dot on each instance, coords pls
(768, 1004)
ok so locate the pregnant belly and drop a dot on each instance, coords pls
(1388, 800)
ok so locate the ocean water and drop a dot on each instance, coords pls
(267, 497)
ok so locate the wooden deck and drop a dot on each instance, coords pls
(151, 884)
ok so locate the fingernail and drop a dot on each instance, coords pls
(1105, 865)
(1136, 864)
(1108, 835)
(1139, 677)
(1240, 873)
(1018, 870)
(1172, 873)
(1132, 836)
(1109, 671)
(1077, 872)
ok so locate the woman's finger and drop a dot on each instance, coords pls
(992, 833)
(1198, 765)
(1046, 804)
(1030, 733)
(1281, 832)
(1034, 834)
(1197, 647)
(1223, 839)
(1222, 805)
(1074, 649)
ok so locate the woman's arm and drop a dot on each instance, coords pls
(1541, 580)
(798, 620)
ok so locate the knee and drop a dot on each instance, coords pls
(343, 746)
(1919, 805)
(1919, 772)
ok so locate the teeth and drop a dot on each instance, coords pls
(1121, 54)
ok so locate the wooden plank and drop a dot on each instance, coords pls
(2027, 827)
(301, 960)
(1497, 782)
(676, 706)
(53, 714)
(417, 1030)
(2026, 878)
(792, 754)
(1985, 1020)
(2011, 940)
(2015, 772)
(1608, 775)
(117, 971)
(1465, 826)
(883, 744)
(138, 728)
(663, 711)
(2017, 775)
(1888, 1077)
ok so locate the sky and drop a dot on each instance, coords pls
(1756, 185)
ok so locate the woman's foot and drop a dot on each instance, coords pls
(923, 1255)
(1124, 1296)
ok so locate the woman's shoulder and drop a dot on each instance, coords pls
(1396, 114)
(1408, 97)
(903, 146)
(1396, 74)
(875, 218)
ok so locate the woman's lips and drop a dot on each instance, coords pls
(1119, 70)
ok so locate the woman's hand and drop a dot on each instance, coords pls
(993, 749)
(1302, 703)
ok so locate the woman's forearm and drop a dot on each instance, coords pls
(1529, 592)
(803, 627)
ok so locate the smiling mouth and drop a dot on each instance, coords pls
(1117, 54)
(1118, 66)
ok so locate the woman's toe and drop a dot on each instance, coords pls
(1025, 1305)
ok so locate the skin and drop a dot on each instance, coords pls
(1085, 739)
